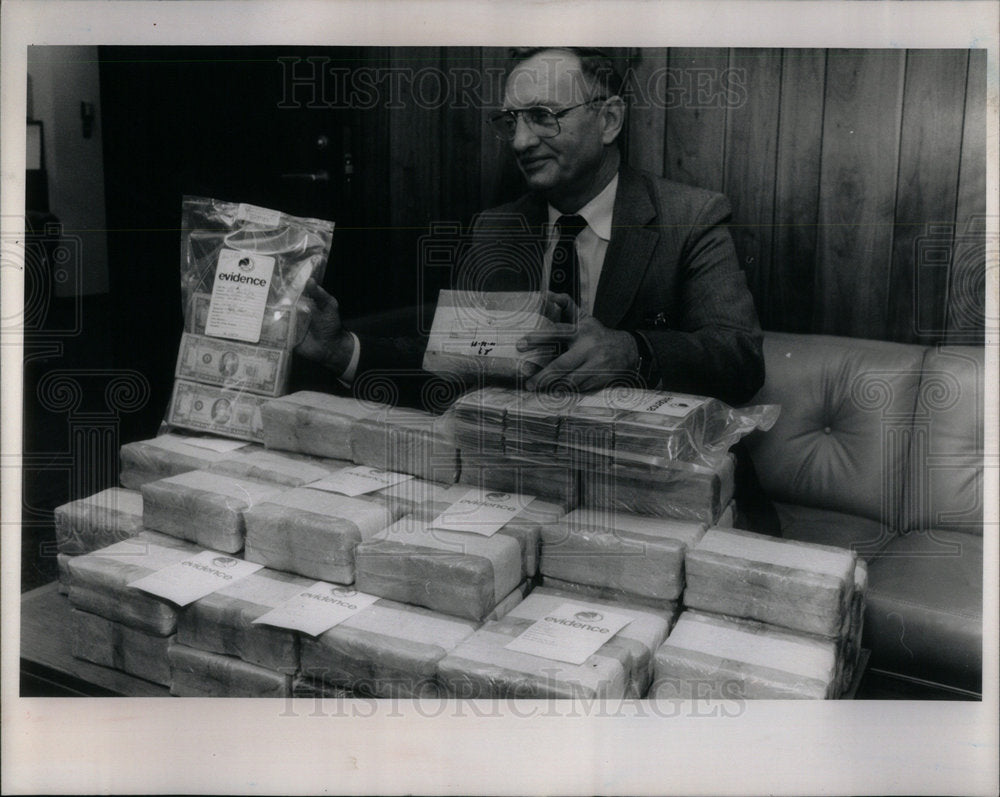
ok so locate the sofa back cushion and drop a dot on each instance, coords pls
(945, 485)
(842, 439)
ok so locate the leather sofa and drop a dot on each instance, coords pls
(879, 447)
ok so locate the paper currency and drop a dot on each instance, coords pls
(213, 409)
(226, 363)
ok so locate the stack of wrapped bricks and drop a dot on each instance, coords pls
(637, 566)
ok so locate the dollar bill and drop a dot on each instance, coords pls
(226, 363)
(278, 328)
(228, 413)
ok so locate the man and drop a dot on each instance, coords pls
(643, 274)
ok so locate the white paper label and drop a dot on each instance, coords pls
(318, 608)
(478, 332)
(195, 577)
(239, 295)
(665, 404)
(572, 633)
(258, 215)
(359, 480)
(482, 511)
(214, 444)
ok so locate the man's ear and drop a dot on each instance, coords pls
(613, 118)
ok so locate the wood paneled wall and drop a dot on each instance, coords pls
(857, 177)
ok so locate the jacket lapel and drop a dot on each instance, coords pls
(629, 250)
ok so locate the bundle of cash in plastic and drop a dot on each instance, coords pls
(388, 649)
(686, 490)
(313, 532)
(120, 647)
(202, 507)
(478, 419)
(727, 658)
(166, 455)
(199, 673)
(474, 335)
(485, 666)
(98, 581)
(243, 269)
(100, 520)
(314, 423)
(529, 516)
(405, 441)
(797, 585)
(223, 621)
(454, 572)
(278, 467)
(635, 555)
(554, 481)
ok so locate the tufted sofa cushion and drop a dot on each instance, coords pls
(824, 526)
(925, 608)
(842, 439)
(944, 489)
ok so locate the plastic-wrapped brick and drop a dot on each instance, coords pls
(163, 456)
(724, 658)
(405, 441)
(851, 644)
(679, 490)
(639, 555)
(98, 581)
(797, 585)
(206, 508)
(116, 645)
(312, 532)
(282, 468)
(222, 622)
(482, 666)
(102, 519)
(198, 673)
(525, 527)
(62, 563)
(388, 649)
(556, 482)
(404, 497)
(314, 423)
(453, 572)
(617, 596)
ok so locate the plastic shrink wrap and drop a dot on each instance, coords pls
(709, 657)
(160, 457)
(314, 423)
(525, 527)
(206, 508)
(222, 622)
(474, 333)
(478, 419)
(62, 564)
(389, 649)
(406, 441)
(281, 468)
(797, 585)
(312, 533)
(617, 596)
(458, 573)
(622, 552)
(116, 645)
(98, 581)
(674, 490)
(198, 673)
(102, 519)
(551, 480)
(482, 667)
(851, 643)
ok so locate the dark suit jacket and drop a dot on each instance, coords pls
(670, 273)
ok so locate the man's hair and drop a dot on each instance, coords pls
(597, 66)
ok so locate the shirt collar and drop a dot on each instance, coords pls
(597, 212)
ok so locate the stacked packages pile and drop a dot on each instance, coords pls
(451, 582)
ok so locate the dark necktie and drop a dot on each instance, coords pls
(565, 274)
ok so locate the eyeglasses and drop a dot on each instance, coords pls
(542, 121)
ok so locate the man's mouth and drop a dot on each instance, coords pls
(532, 164)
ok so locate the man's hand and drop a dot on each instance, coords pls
(594, 355)
(325, 341)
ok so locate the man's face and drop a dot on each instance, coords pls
(570, 159)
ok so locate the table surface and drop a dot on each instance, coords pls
(47, 657)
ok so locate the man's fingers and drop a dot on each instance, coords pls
(566, 308)
(322, 299)
(559, 333)
(559, 370)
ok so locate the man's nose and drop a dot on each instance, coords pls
(524, 136)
